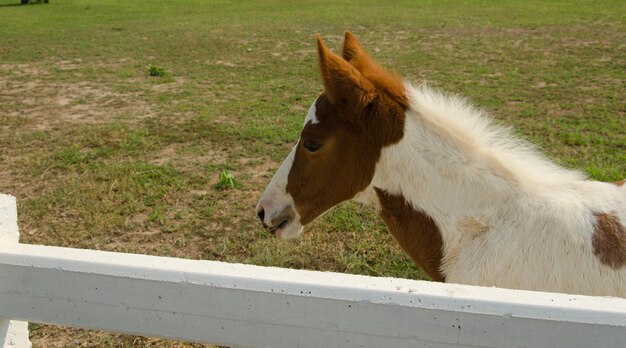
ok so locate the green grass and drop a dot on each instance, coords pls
(156, 71)
(102, 155)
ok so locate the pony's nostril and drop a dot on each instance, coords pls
(261, 214)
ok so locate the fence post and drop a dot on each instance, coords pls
(13, 333)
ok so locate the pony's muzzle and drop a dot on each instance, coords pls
(282, 222)
(278, 220)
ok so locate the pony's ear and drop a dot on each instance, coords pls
(343, 83)
(351, 47)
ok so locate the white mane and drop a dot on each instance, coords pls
(473, 131)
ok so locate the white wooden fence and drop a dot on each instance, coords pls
(251, 306)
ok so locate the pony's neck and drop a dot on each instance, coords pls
(458, 169)
(453, 158)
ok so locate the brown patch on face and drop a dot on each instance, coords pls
(357, 118)
(609, 240)
(345, 163)
(416, 232)
(619, 183)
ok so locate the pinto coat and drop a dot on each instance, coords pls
(468, 201)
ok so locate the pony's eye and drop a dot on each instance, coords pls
(311, 146)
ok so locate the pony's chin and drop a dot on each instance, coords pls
(290, 231)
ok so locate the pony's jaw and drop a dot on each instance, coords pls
(292, 230)
(276, 206)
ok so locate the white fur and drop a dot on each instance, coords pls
(536, 218)
(275, 199)
(310, 116)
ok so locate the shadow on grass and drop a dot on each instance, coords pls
(23, 2)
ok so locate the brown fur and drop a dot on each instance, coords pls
(609, 240)
(619, 183)
(344, 84)
(416, 232)
(351, 47)
(357, 119)
(389, 83)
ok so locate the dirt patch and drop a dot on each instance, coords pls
(30, 93)
(178, 157)
(169, 86)
(24, 70)
(69, 64)
(220, 62)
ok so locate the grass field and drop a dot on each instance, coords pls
(102, 155)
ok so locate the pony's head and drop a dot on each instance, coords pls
(361, 110)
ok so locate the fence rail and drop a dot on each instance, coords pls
(252, 306)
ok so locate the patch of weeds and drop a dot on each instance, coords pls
(34, 326)
(157, 215)
(105, 341)
(157, 71)
(227, 180)
(206, 211)
(181, 242)
(69, 157)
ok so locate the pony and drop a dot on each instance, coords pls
(468, 201)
